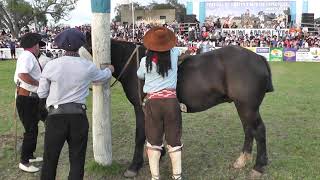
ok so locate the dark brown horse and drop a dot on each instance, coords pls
(230, 74)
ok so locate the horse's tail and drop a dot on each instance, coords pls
(269, 87)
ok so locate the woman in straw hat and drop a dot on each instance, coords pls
(161, 106)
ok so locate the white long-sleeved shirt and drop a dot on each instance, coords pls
(155, 82)
(67, 79)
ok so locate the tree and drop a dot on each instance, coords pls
(118, 8)
(57, 9)
(16, 14)
(180, 9)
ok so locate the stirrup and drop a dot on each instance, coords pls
(176, 178)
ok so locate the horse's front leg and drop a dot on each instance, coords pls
(137, 160)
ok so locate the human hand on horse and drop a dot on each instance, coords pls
(183, 56)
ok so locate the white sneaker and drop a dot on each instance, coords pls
(37, 159)
(30, 169)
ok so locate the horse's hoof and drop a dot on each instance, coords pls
(129, 174)
(242, 160)
(255, 174)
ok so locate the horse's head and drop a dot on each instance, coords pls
(88, 44)
(120, 54)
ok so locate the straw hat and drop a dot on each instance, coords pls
(159, 39)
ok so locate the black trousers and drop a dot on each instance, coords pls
(72, 128)
(28, 110)
(163, 117)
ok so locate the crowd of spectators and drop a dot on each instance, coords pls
(193, 36)
(213, 36)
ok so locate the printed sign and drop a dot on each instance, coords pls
(253, 49)
(276, 54)
(289, 54)
(315, 54)
(263, 51)
(303, 54)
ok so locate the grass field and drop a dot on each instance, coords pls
(212, 139)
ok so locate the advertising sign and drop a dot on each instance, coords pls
(303, 54)
(264, 51)
(253, 49)
(315, 54)
(276, 54)
(237, 8)
(289, 54)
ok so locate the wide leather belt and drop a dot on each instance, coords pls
(23, 92)
(69, 108)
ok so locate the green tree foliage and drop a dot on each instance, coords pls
(181, 10)
(57, 9)
(16, 14)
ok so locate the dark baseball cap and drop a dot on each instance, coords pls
(70, 39)
(31, 39)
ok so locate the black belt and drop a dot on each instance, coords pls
(68, 108)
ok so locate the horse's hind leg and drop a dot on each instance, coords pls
(248, 139)
(253, 127)
(137, 161)
(259, 133)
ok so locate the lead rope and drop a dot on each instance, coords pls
(125, 66)
(139, 83)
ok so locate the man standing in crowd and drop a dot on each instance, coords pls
(12, 46)
(26, 77)
(67, 119)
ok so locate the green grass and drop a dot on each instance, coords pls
(212, 139)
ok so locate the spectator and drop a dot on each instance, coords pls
(12, 46)
(2, 56)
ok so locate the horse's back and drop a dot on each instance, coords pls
(229, 74)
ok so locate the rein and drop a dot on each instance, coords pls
(135, 51)
(127, 64)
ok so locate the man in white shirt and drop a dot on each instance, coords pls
(26, 77)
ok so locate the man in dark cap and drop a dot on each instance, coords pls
(65, 83)
(26, 77)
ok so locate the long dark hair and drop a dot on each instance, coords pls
(162, 59)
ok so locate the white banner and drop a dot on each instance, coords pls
(264, 51)
(5, 53)
(269, 32)
(303, 55)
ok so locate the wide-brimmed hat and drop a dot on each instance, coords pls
(70, 39)
(159, 39)
(31, 39)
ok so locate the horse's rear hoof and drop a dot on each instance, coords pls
(130, 174)
(242, 160)
(255, 174)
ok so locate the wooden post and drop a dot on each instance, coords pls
(101, 114)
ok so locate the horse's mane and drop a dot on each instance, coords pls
(122, 41)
